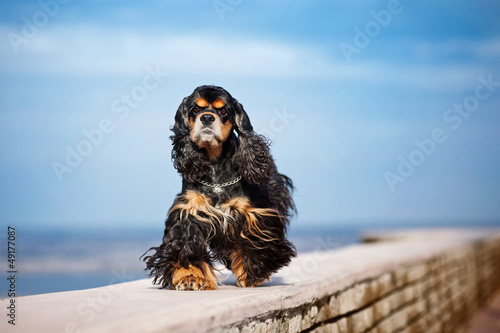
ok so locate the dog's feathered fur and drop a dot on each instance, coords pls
(242, 224)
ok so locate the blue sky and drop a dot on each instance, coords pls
(406, 128)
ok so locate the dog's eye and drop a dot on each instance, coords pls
(223, 111)
(196, 109)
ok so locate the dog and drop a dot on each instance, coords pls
(234, 206)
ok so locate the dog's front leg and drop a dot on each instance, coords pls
(182, 261)
(254, 260)
(188, 255)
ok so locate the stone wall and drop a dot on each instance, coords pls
(413, 281)
(440, 294)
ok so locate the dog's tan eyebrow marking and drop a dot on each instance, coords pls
(201, 102)
(218, 104)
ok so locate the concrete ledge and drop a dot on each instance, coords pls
(413, 281)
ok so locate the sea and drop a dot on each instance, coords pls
(65, 259)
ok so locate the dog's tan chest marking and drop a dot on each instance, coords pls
(200, 206)
(242, 207)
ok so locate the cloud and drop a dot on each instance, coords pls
(88, 50)
(85, 49)
(489, 49)
(486, 49)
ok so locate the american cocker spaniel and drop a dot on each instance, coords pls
(234, 206)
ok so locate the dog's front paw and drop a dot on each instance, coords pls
(194, 278)
(191, 283)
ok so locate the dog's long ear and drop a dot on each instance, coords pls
(253, 157)
(188, 160)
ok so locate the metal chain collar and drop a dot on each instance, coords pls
(232, 182)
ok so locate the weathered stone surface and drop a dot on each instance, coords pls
(418, 281)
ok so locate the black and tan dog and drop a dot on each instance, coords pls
(234, 206)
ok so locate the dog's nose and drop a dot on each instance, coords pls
(207, 119)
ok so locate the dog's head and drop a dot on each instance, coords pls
(211, 118)
(203, 123)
